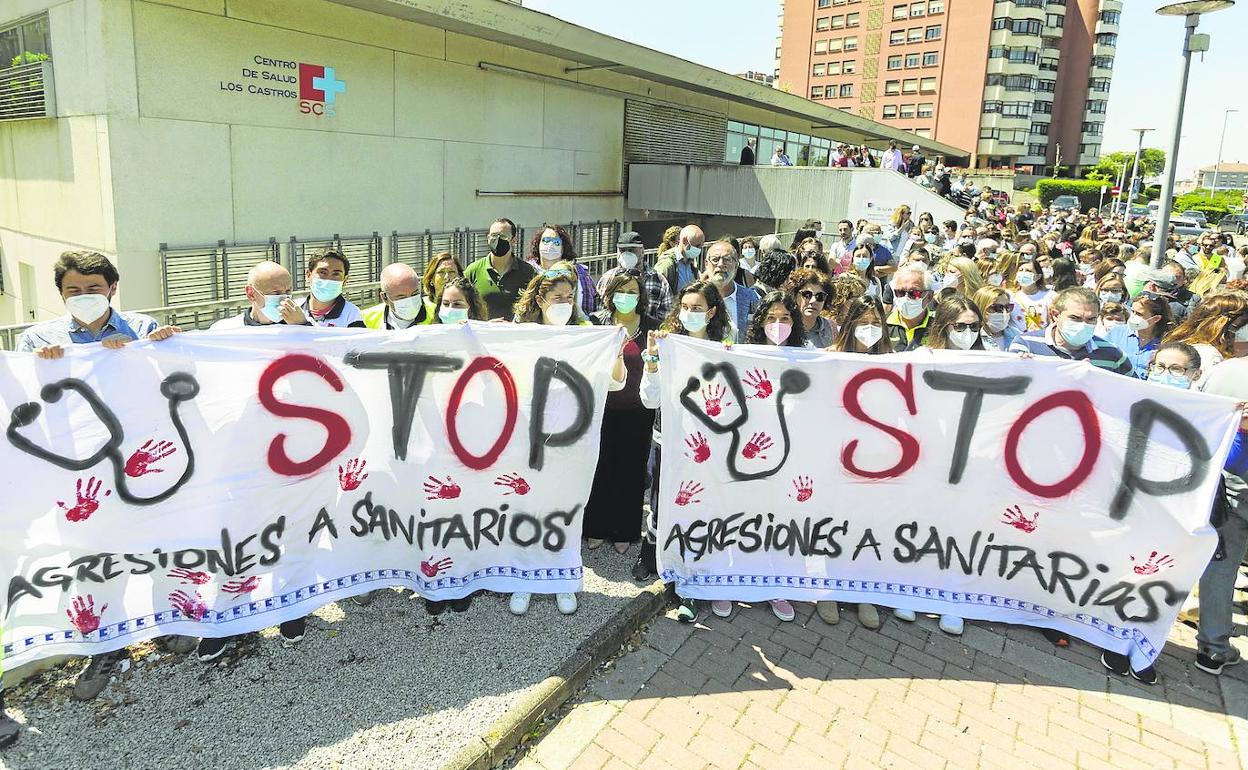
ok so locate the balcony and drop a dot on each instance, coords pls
(1106, 26)
(1086, 138)
(1093, 117)
(1101, 49)
(1111, 5)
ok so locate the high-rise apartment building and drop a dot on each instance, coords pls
(1017, 83)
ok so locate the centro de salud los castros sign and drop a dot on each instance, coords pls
(315, 86)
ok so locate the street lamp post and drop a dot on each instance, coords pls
(1135, 168)
(1191, 9)
(1217, 166)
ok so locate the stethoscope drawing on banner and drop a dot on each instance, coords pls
(176, 388)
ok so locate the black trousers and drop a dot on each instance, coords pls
(614, 508)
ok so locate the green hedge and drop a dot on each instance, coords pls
(1088, 191)
(1212, 211)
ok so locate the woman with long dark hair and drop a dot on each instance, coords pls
(551, 244)
(777, 322)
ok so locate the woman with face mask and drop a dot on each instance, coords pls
(1217, 327)
(1149, 321)
(548, 300)
(777, 322)
(613, 513)
(749, 256)
(698, 312)
(440, 269)
(996, 308)
(862, 263)
(1175, 364)
(962, 276)
(1111, 288)
(957, 324)
(459, 302)
(1004, 267)
(1031, 297)
(551, 244)
(812, 289)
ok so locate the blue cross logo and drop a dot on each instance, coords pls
(329, 84)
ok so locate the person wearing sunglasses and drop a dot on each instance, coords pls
(551, 244)
(996, 308)
(908, 321)
(812, 289)
(499, 276)
(632, 256)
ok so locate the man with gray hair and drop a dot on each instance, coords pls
(912, 296)
(402, 306)
(680, 264)
(721, 269)
(770, 243)
(1073, 314)
(268, 290)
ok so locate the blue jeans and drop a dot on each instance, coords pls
(1217, 586)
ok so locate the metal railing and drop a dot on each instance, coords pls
(210, 273)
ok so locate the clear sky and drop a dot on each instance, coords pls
(740, 35)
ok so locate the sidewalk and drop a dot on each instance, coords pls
(752, 692)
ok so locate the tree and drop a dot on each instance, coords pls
(1110, 166)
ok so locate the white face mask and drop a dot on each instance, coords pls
(1241, 335)
(997, 322)
(963, 340)
(694, 321)
(628, 260)
(1136, 322)
(558, 315)
(87, 308)
(1048, 273)
(409, 307)
(550, 252)
(868, 334)
(952, 279)
(910, 308)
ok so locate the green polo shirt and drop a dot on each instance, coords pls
(500, 292)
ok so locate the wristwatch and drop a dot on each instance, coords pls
(649, 359)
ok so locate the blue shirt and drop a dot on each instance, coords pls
(685, 274)
(67, 331)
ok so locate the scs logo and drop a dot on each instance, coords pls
(318, 86)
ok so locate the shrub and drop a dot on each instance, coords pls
(1088, 191)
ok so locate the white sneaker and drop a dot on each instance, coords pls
(951, 625)
(566, 603)
(721, 607)
(519, 603)
(906, 615)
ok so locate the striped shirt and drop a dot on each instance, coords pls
(1102, 354)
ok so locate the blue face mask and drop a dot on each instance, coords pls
(326, 290)
(862, 263)
(272, 305)
(1077, 333)
(452, 315)
(1174, 381)
(625, 303)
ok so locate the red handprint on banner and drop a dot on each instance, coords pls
(83, 616)
(805, 488)
(191, 605)
(513, 482)
(240, 587)
(353, 475)
(757, 444)
(1018, 520)
(432, 569)
(88, 501)
(713, 399)
(759, 380)
(1155, 563)
(701, 452)
(187, 577)
(441, 490)
(152, 451)
(688, 493)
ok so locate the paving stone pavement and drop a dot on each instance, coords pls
(751, 692)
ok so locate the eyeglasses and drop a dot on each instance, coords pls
(555, 240)
(817, 296)
(999, 308)
(909, 293)
(1175, 369)
(553, 274)
(809, 254)
(962, 327)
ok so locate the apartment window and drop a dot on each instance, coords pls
(1093, 128)
(1017, 55)
(821, 24)
(1016, 110)
(897, 37)
(851, 19)
(1044, 108)
(892, 87)
(821, 46)
(931, 58)
(1012, 82)
(926, 133)
(914, 34)
(987, 133)
(851, 44)
(890, 111)
(823, 3)
(1018, 26)
(31, 36)
(834, 68)
(894, 62)
(1107, 38)
(912, 60)
(928, 85)
(1111, 17)
(838, 22)
(1037, 149)
(1092, 151)
(910, 86)
(1046, 86)
(836, 45)
(907, 111)
(932, 32)
(819, 70)
(1048, 65)
(1103, 62)
(1039, 128)
(936, 6)
(900, 12)
(816, 92)
(1054, 20)
(1097, 106)
(850, 66)
(1100, 85)
(926, 109)
(918, 9)
(847, 90)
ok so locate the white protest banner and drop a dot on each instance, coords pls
(1041, 492)
(218, 483)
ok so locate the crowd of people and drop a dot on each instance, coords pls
(1025, 280)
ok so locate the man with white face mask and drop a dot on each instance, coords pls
(632, 256)
(680, 266)
(403, 306)
(327, 274)
(87, 282)
(912, 294)
(1073, 314)
(268, 289)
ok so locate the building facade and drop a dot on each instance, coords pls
(1230, 176)
(1018, 83)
